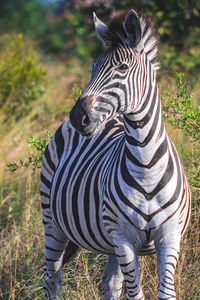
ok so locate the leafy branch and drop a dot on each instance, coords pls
(33, 159)
(181, 112)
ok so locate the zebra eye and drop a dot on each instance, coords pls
(122, 68)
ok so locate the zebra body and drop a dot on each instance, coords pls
(115, 185)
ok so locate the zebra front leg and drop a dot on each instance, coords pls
(167, 258)
(55, 245)
(128, 262)
(112, 280)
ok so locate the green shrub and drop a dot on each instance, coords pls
(183, 114)
(173, 60)
(33, 159)
(21, 78)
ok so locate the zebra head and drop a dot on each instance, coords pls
(119, 77)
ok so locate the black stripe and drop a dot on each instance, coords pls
(130, 281)
(132, 141)
(45, 181)
(52, 249)
(59, 140)
(119, 76)
(53, 237)
(126, 264)
(128, 273)
(167, 294)
(171, 255)
(141, 123)
(109, 219)
(46, 216)
(102, 109)
(44, 206)
(167, 287)
(116, 96)
(131, 287)
(188, 215)
(109, 208)
(44, 194)
(54, 260)
(157, 156)
(135, 294)
(171, 264)
(117, 85)
(107, 101)
(48, 159)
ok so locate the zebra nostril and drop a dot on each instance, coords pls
(85, 120)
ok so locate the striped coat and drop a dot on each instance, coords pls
(111, 180)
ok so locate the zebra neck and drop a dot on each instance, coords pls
(145, 135)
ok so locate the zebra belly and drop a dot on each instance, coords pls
(77, 194)
(86, 232)
(147, 249)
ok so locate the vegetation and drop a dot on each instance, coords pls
(183, 114)
(44, 53)
(33, 160)
(22, 79)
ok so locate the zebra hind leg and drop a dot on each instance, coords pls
(71, 252)
(112, 280)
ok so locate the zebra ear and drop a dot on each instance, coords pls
(133, 30)
(101, 28)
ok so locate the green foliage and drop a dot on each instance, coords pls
(187, 60)
(181, 113)
(70, 29)
(177, 23)
(35, 19)
(81, 30)
(33, 160)
(21, 79)
(24, 16)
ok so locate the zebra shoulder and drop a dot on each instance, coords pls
(55, 148)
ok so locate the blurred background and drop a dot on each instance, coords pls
(46, 50)
(64, 28)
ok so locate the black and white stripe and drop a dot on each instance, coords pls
(111, 180)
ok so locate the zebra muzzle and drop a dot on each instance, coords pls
(81, 118)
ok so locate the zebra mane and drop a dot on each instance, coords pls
(116, 35)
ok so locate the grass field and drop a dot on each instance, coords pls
(22, 237)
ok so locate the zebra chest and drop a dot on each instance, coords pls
(130, 225)
(139, 214)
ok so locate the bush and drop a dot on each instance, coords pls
(21, 78)
(182, 113)
(34, 159)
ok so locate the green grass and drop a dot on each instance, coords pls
(22, 237)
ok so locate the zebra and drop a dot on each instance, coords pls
(111, 178)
